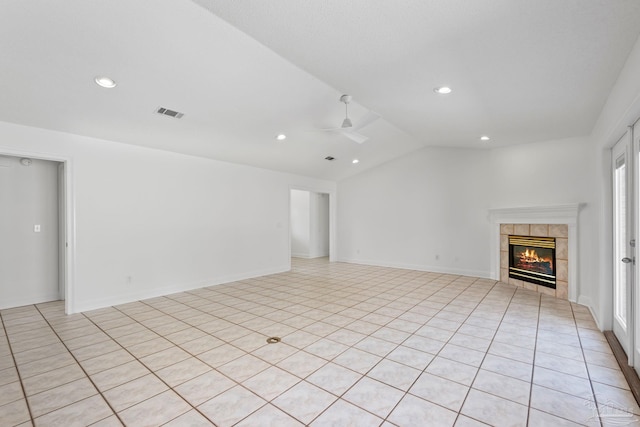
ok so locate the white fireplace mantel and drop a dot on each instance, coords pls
(558, 214)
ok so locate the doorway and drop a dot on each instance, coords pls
(309, 224)
(623, 242)
(33, 261)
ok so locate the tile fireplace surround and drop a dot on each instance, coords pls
(560, 222)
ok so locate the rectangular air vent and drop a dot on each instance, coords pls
(170, 113)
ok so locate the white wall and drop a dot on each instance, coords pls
(426, 211)
(429, 210)
(300, 224)
(553, 173)
(28, 260)
(149, 222)
(621, 110)
(319, 230)
(586, 179)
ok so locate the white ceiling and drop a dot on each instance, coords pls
(243, 71)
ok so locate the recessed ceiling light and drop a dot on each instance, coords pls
(442, 90)
(484, 138)
(355, 161)
(281, 137)
(105, 82)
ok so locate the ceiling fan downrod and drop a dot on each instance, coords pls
(346, 99)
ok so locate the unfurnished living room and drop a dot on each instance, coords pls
(325, 213)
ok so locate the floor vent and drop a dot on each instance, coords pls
(170, 113)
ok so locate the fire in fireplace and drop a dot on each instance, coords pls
(533, 259)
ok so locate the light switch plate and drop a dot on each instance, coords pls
(36, 228)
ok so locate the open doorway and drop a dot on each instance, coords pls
(33, 226)
(310, 224)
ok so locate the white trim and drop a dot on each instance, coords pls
(558, 214)
(301, 255)
(32, 299)
(586, 301)
(417, 267)
(94, 304)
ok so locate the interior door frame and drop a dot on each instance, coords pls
(68, 237)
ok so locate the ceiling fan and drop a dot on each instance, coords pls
(347, 128)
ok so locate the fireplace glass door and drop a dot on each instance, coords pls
(533, 259)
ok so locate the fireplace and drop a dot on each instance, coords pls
(533, 259)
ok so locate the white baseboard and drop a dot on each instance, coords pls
(586, 301)
(38, 299)
(88, 305)
(430, 268)
(308, 256)
(299, 255)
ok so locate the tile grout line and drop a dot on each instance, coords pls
(560, 391)
(396, 293)
(485, 353)
(151, 371)
(436, 355)
(83, 371)
(412, 334)
(533, 361)
(440, 310)
(237, 383)
(15, 365)
(539, 306)
(231, 343)
(339, 397)
(586, 365)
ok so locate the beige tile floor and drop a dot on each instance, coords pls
(361, 346)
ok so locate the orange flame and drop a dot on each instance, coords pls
(530, 256)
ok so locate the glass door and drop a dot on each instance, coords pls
(623, 256)
(634, 138)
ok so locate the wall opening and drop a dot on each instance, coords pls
(309, 224)
(32, 261)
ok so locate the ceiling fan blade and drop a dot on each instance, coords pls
(366, 120)
(354, 136)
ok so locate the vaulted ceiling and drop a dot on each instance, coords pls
(244, 71)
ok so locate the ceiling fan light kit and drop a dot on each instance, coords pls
(346, 99)
(347, 128)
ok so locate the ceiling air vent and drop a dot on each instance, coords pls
(170, 113)
(330, 158)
